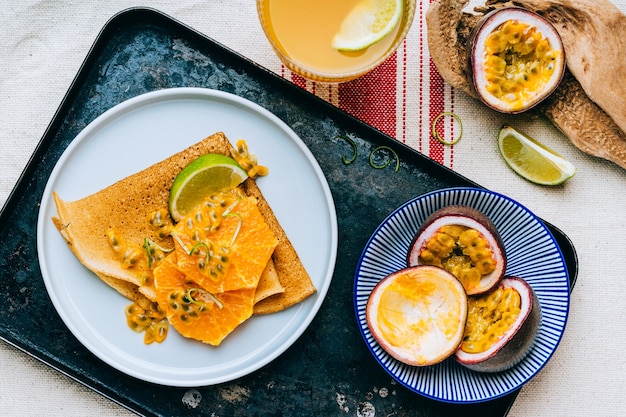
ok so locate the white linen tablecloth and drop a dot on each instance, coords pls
(42, 45)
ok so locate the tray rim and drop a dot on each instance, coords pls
(100, 41)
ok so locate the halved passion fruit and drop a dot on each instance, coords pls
(516, 59)
(418, 314)
(463, 241)
(501, 327)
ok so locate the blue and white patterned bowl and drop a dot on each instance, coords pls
(532, 254)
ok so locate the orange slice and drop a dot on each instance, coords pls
(247, 255)
(194, 312)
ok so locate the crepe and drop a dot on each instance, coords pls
(124, 208)
(292, 274)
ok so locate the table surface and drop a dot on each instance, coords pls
(43, 44)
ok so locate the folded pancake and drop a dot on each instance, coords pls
(289, 268)
(269, 284)
(121, 213)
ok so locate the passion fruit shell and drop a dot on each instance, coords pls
(516, 59)
(487, 238)
(512, 346)
(418, 314)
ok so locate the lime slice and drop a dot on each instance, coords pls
(207, 174)
(367, 23)
(532, 160)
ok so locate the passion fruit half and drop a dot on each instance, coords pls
(501, 327)
(516, 59)
(418, 314)
(463, 241)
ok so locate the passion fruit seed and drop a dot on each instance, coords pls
(131, 257)
(156, 332)
(114, 240)
(147, 251)
(154, 252)
(161, 222)
(185, 306)
(461, 250)
(501, 327)
(489, 317)
(149, 319)
(249, 161)
(465, 242)
(190, 305)
(214, 260)
(474, 245)
(517, 59)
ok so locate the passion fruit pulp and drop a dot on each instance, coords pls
(516, 59)
(418, 314)
(501, 327)
(463, 241)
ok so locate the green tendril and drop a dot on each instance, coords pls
(190, 296)
(387, 160)
(344, 158)
(436, 134)
(149, 246)
(231, 207)
(153, 244)
(180, 242)
(204, 294)
(206, 247)
(239, 223)
(148, 249)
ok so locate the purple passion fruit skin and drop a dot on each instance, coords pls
(515, 58)
(418, 315)
(516, 342)
(435, 244)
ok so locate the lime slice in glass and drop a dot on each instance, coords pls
(367, 23)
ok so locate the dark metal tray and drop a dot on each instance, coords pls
(329, 368)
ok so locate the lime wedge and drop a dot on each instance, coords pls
(532, 160)
(367, 23)
(207, 174)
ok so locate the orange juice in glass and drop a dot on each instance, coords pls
(302, 31)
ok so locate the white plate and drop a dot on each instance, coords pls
(147, 129)
(532, 254)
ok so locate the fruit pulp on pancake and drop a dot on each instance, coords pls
(207, 286)
(194, 312)
(224, 244)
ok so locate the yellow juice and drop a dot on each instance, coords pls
(302, 32)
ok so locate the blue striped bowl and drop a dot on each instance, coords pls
(532, 254)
